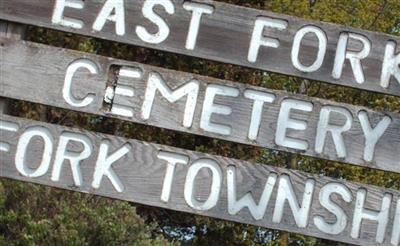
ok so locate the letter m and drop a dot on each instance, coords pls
(157, 83)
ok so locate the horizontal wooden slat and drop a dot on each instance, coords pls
(42, 153)
(223, 36)
(36, 73)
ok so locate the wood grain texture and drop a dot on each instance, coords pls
(35, 73)
(142, 174)
(224, 36)
(3, 101)
(11, 31)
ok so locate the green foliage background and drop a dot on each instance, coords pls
(37, 215)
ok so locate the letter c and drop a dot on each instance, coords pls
(71, 70)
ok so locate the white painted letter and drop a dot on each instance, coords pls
(286, 193)
(285, 122)
(62, 154)
(104, 163)
(372, 136)
(209, 108)
(258, 39)
(217, 177)
(71, 70)
(59, 19)
(324, 127)
(106, 14)
(256, 115)
(172, 159)
(198, 10)
(123, 90)
(156, 82)
(323, 41)
(20, 155)
(391, 65)
(326, 202)
(234, 205)
(355, 57)
(396, 226)
(148, 13)
(361, 213)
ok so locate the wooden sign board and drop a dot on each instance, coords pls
(228, 33)
(198, 183)
(200, 105)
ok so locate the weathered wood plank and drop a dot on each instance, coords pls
(12, 30)
(224, 35)
(36, 73)
(43, 153)
(15, 32)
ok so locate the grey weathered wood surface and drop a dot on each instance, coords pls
(224, 36)
(142, 175)
(11, 31)
(35, 72)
